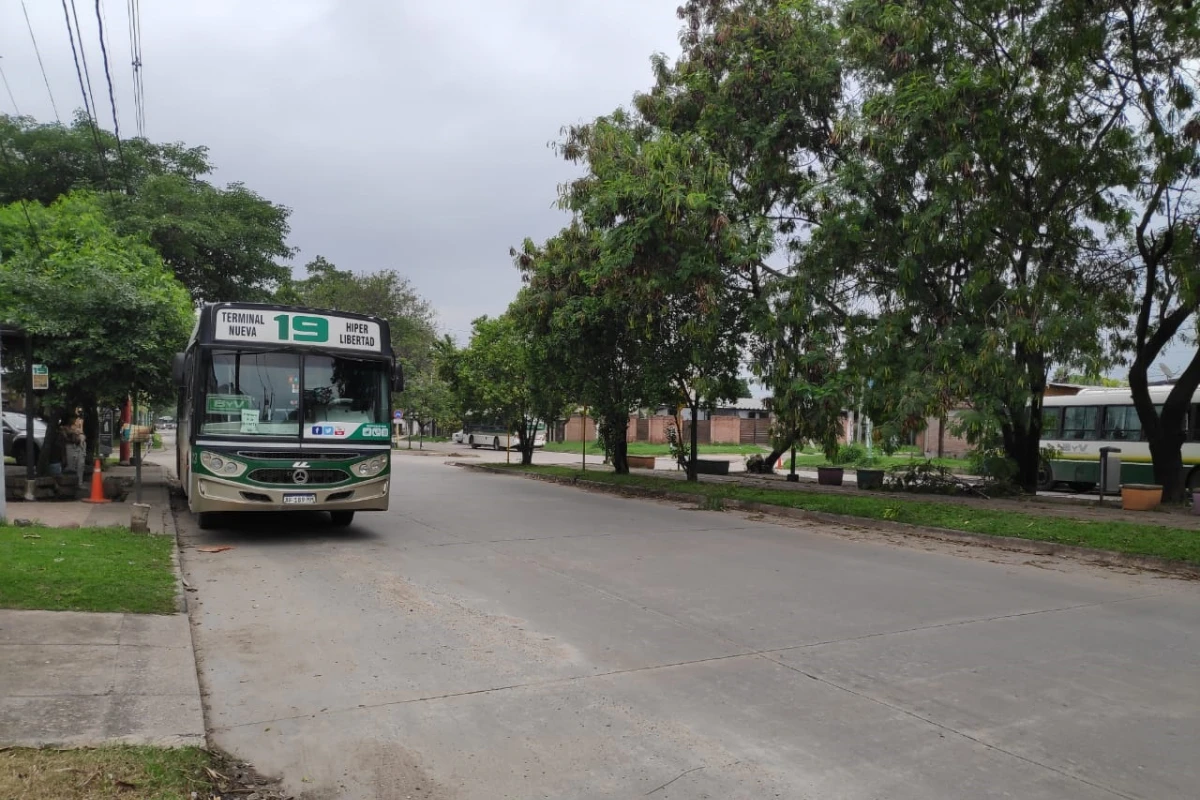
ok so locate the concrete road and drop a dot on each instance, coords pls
(493, 637)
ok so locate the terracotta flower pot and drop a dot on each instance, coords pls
(1140, 496)
(641, 462)
(830, 476)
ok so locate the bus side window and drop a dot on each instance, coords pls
(1121, 423)
(1080, 422)
(1051, 423)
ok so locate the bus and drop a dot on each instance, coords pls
(1077, 426)
(285, 408)
(493, 433)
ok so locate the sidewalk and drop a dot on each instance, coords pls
(72, 678)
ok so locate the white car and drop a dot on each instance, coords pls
(14, 435)
(458, 437)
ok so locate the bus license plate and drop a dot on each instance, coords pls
(300, 499)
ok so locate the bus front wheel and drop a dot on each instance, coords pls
(496, 443)
(473, 445)
(206, 520)
(341, 519)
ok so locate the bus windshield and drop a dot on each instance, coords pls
(273, 393)
(255, 394)
(344, 390)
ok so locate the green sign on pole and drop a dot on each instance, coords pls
(41, 377)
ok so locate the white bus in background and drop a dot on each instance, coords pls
(495, 434)
(1077, 426)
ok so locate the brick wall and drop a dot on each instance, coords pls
(726, 430)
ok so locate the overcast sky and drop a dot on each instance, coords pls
(403, 135)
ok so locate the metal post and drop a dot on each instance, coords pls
(792, 476)
(583, 435)
(125, 420)
(508, 448)
(137, 475)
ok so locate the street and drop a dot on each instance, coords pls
(492, 637)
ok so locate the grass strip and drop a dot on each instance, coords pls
(86, 569)
(648, 449)
(105, 773)
(1118, 536)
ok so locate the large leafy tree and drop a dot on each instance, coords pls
(384, 294)
(971, 217)
(1148, 64)
(760, 82)
(503, 373)
(657, 202)
(223, 243)
(106, 314)
(591, 338)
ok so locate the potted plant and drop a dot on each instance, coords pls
(1140, 496)
(868, 475)
(832, 473)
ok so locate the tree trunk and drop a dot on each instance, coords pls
(692, 474)
(1166, 432)
(91, 430)
(781, 448)
(616, 436)
(526, 438)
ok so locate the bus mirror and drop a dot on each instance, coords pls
(398, 378)
(177, 370)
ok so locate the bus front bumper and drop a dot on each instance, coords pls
(217, 494)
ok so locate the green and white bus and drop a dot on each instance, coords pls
(285, 408)
(1077, 426)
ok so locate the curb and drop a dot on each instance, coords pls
(1031, 546)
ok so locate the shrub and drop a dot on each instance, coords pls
(850, 453)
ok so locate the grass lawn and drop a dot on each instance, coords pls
(105, 773)
(86, 569)
(647, 449)
(1115, 535)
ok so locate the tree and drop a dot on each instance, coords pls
(590, 338)
(106, 314)
(502, 374)
(427, 399)
(1147, 63)
(969, 218)
(223, 243)
(760, 82)
(657, 201)
(383, 294)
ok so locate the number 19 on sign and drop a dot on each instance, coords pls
(300, 328)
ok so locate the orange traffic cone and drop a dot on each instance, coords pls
(97, 486)
(780, 464)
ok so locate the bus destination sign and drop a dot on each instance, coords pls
(255, 326)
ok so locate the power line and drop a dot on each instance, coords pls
(88, 109)
(9, 89)
(135, 58)
(87, 72)
(112, 97)
(38, 52)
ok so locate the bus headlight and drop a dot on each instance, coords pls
(221, 465)
(371, 467)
